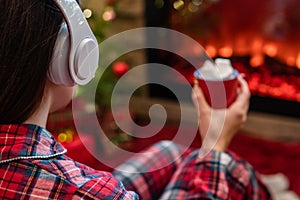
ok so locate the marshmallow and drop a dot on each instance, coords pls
(220, 70)
(224, 67)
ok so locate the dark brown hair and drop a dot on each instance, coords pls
(28, 31)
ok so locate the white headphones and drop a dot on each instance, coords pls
(76, 53)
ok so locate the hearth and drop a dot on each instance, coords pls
(261, 38)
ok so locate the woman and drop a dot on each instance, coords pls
(33, 165)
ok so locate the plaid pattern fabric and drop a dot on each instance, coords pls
(149, 175)
(33, 166)
(215, 176)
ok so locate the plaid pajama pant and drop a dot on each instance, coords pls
(166, 175)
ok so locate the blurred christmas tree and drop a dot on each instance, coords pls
(100, 17)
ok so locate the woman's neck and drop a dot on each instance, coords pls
(40, 116)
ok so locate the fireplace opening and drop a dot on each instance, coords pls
(261, 38)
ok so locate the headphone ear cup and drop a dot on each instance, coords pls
(58, 72)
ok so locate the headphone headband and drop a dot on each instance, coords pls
(79, 43)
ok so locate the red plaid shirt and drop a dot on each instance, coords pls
(33, 166)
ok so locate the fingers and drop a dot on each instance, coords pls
(198, 97)
(244, 85)
(243, 93)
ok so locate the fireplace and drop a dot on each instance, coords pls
(261, 38)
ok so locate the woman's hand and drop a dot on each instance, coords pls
(218, 126)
